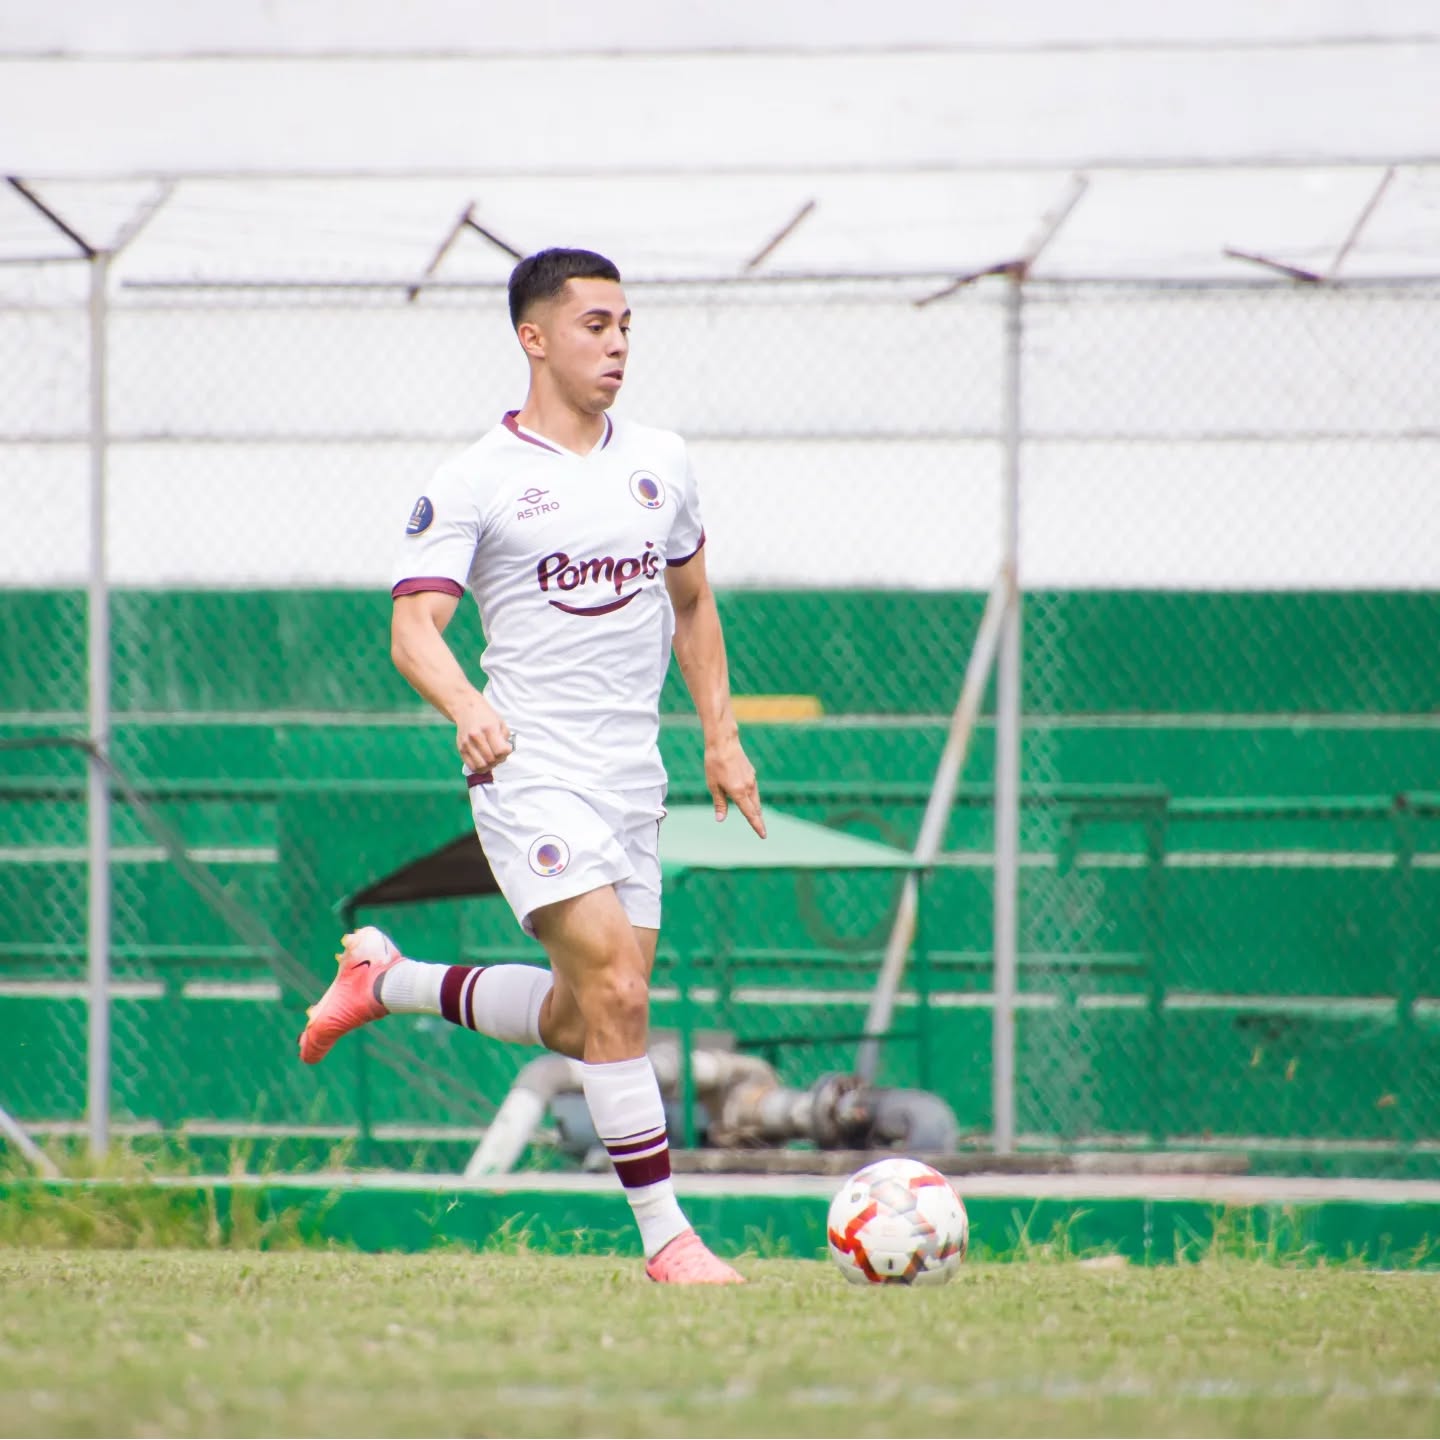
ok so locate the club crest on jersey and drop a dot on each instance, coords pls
(421, 517)
(549, 855)
(648, 489)
(560, 572)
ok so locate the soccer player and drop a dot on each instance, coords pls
(581, 540)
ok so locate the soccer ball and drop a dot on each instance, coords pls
(898, 1222)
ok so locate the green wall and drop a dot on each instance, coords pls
(861, 652)
(271, 734)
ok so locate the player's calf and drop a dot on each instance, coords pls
(562, 1026)
(375, 980)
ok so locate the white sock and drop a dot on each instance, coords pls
(411, 987)
(629, 1117)
(502, 1001)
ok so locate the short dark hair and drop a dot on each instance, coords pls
(543, 276)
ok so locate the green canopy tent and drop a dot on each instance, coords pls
(691, 843)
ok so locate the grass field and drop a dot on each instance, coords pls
(315, 1343)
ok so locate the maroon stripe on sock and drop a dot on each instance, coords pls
(634, 1135)
(450, 988)
(631, 1146)
(467, 998)
(649, 1171)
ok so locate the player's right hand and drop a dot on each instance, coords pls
(481, 736)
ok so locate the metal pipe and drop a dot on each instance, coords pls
(538, 1083)
(520, 1113)
(932, 828)
(713, 1069)
(12, 1130)
(1007, 747)
(97, 639)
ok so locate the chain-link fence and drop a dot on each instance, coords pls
(1232, 509)
(45, 343)
(1231, 513)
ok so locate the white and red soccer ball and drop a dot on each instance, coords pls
(898, 1222)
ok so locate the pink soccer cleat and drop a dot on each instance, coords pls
(687, 1261)
(350, 1001)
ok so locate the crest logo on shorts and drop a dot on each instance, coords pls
(549, 855)
(647, 489)
(421, 517)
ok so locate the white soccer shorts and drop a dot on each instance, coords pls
(547, 844)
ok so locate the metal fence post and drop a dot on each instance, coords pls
(97, 633)
(97, 639)
(1007, 746)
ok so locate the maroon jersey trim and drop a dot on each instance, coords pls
(513, 426)
(421, 583)
(509, 423)
(686, 559)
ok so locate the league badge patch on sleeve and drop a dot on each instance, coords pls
(421, 517)
(647, 489)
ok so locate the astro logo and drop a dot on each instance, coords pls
(549, 855)
(533, 503)
(560, 572)
(421, 517)
(647, 489)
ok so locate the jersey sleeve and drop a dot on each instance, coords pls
(441, 537)
(687, 534)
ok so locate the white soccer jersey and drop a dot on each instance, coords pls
(565, 555)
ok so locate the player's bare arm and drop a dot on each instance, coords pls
(700, 649)
(422, 656)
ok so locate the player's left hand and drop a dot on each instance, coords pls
(731, 778)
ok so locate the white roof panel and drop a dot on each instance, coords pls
(1402, 237)
(297, 229)
(651, 227)
(1178, 224)
(708, 114)
(26, 233)
(247, 27)
(1264, 128)
(944, 223)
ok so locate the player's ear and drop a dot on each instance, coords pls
(532, 339)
